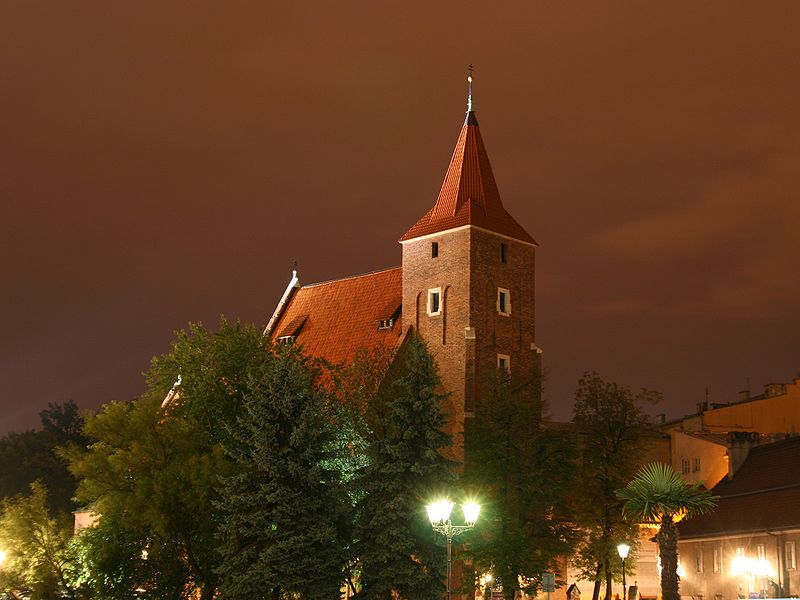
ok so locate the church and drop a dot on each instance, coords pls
(466, 285)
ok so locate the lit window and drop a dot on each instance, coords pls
(386, 324)
(503, 302)
(434, 249)
(698, 557)
(791, 559)
(286, 339)
(504, 362)
(761, 552)
(718, 560)
(503, 253)
(435, 301)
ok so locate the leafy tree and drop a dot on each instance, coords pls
(522, 473)
(154, 479)
(658, 495)
(38, 556)
(612, 432)
(285, 512)
(153, 472)
(33, 456)
(395, 544)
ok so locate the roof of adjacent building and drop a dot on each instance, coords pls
(469, 194)
(334, 319)
(763, 494)
(720, 439)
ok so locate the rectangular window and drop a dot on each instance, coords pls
(761, 552)
(696, 465)
(435, 301)
(286, 339)
(503, 302)
(684, 465)
(504, 362)
(698, 558)
(434, 249)
(791, 559)
(386, 324)
(718, 560)
(503, 253)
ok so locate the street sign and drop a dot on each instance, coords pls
(548, 582)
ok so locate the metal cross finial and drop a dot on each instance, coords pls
(470, 68)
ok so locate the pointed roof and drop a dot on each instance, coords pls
(469, 193)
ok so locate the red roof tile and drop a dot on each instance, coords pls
(763, 494)
(336, 318)
(469, 194)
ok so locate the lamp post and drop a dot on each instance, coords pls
(623, 550)
(439, 515)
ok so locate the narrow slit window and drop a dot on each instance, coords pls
(503, 252)
(434, 249)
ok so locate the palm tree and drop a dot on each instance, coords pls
(658, 495)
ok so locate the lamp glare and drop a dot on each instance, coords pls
(471, 511)
(623, 550)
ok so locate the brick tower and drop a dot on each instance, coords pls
(468, 281)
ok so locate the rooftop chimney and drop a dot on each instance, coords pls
(739, 445)
(774, 389)
(744, 395)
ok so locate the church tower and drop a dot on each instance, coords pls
(468, 281)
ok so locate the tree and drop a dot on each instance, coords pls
(658, 495)
(521, 472)
(611, 434)
(399, 555)
(34, 456)
(154, 472)
(37, 546)
(285, 514)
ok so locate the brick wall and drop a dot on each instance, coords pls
(467, 337)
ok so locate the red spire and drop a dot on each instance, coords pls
(469, 193)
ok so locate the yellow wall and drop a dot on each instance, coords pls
(778, 414)
(713, 464)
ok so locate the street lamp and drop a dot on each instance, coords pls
(623, 550)
(439, 515)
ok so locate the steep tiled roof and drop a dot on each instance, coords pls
(335, 318)
(763, 494)
(469, 193)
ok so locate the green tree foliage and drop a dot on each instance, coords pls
(521, 472)
(153, 473)
(396, 545)
(38, 557)
(285, 513)
(33, 456)
(658, 495)
(612, 432)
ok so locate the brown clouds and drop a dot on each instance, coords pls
(168, 161)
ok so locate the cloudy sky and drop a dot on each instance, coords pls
(164, 162)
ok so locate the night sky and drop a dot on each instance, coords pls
(166, 162)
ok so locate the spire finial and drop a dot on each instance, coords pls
(470, 68)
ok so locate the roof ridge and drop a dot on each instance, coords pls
(760, 491)
(330, 281)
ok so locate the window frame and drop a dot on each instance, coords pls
(507, 293)
(699, 564)
(718, 559)
(790, 556)
(437, 291)
(507, 359)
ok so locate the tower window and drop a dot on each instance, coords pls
(503, 252)
(435, 301)
(434, 249)
(504, 362)
(503, 302)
